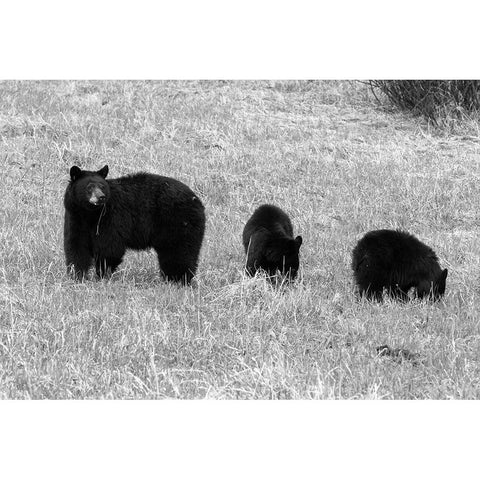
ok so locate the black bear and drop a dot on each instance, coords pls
(397, 261)
(269, 243)
(105, 217)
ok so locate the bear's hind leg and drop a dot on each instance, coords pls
(177, 266)
(105, 267)
(177, 272)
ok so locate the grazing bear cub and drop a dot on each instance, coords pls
(269, 243)
(397, 261)
(105, 217)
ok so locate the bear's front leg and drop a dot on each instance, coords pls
(78, 257)
(78, 263)
(255, 253)
(251, 265)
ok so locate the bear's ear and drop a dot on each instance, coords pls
(443, 276)
(298, 241)
(441, 281)
(103, 172)
(75, 173)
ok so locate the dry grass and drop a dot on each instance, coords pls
(325, 153)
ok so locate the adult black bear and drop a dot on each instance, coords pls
(105, 217)
(269, 243)
(396, 261)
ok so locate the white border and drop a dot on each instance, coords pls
(251, 39)
(232, 439)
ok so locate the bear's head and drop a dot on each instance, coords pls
(90, 189)
(283, 254)
(435, 289)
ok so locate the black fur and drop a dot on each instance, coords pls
(269, 243)
(396, 261)
(105, 217)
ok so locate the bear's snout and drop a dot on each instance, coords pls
(97, 197)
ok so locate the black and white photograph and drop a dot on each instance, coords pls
(240, 239)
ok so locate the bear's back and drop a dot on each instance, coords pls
(149, 181)
(268, 218)
(394, 251)
(399, 243)
(149, 190)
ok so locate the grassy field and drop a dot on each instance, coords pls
(325, 152)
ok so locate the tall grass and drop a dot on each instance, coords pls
(434, 99)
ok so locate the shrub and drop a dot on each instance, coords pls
(433, 99)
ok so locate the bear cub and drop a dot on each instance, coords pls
(269, 243)
(104, 218)
(397, 261)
